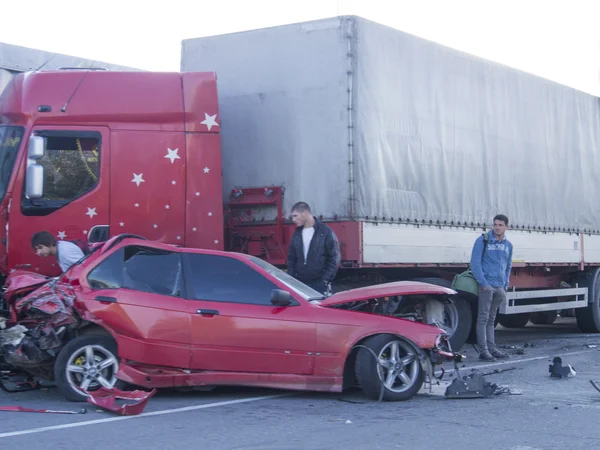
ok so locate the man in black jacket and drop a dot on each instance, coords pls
(314, 252)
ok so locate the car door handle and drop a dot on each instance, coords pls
(208, 312)
(104, 299)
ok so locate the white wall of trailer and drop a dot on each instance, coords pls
(395, 243)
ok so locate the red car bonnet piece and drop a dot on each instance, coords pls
(107, 399)
(386, 290)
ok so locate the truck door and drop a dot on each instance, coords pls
(62, 187)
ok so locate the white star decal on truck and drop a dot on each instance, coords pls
(62, 235)
(137, 179)
(209, 121)
(172, 155)
(206, 170)
(91, 212)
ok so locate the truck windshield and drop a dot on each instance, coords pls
(10, 141)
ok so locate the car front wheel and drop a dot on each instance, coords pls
(86, 364)
(393, 371)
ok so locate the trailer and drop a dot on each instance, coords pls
(16, 59)
(408, 149)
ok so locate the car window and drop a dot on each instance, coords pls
(109, 273)
(152, 270)
(223, 279)
(140, 269)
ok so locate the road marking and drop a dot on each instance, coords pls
(533, 358)
(516, 361)
(148, 414)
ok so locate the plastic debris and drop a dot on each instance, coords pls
(134, 401)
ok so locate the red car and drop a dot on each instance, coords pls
(154, 315)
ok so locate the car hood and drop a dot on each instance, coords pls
(24, 280)
(386, 290)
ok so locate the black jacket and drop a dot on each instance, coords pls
(323, 255)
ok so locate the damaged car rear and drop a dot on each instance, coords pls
(151, 315)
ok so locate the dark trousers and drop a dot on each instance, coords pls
(317, 285)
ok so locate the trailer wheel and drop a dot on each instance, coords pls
(544, 317)
(513, 320)
(588, 318)
(458, 316)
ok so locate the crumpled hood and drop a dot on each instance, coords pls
(386, 290)
(21, 280)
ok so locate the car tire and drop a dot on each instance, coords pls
(75, 353)
(401, 385)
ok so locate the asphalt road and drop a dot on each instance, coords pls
(538, 413)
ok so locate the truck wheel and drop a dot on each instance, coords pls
(85, 364)
(458, 318)
(397, 369)
(513, 320)
(544, 317)
(588, 318)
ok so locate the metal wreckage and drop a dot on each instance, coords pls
(43, 319)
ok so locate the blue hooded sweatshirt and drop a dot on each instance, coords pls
(494, 269)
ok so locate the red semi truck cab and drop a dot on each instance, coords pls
(95, 153)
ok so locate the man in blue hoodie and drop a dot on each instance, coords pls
(491, 264)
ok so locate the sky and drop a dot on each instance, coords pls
(555, 39)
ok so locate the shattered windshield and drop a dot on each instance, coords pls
(305, 291)
(10, 141)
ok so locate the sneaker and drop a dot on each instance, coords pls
(486, 356)
(500, 355)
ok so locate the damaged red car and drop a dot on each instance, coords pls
(149, 315)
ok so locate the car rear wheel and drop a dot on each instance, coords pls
(396, 370)
(86, 364)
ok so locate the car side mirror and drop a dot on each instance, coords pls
(281, 298)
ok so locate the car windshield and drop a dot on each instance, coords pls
(305, 291)
(10, 141)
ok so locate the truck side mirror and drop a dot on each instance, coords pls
(34, 187)
(36, 148)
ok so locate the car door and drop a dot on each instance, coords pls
(234, 325)
(137, 291)
(75, 192)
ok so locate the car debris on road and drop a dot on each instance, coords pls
(134, 402)
(47, 411)
(557, 370)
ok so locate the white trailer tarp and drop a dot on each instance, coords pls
(364, 121)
